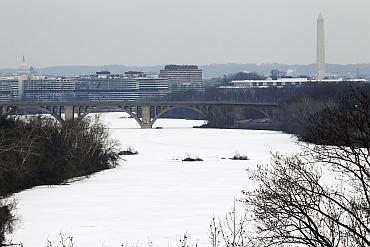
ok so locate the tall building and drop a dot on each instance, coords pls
(183, 77)
(320, 56)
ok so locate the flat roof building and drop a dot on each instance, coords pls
(283, 82)
(183, 77)
(48, 89)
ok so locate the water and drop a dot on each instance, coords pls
(152, 196)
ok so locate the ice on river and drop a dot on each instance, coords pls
(152, 196)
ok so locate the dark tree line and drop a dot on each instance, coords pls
(297, 103)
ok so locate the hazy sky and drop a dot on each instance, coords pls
(149, 32)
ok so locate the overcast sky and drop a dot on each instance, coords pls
(150, 32)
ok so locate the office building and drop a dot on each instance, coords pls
(41, 88)
(183, 77)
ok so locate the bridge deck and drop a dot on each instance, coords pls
(135, 103)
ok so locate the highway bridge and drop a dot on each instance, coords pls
(144, 112)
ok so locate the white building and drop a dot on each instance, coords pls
(41, 88)
(283, 82)
(8, 88)
(150, 87)
(183, 77)
(110, 87)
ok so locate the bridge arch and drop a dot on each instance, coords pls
(99, 109)
(193, 108)
(51, 112)
(260, 111)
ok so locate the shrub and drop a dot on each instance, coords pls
(39, 150)
(238, 156)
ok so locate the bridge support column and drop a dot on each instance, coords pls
(146, 122)
(68, 113)
(2, 111)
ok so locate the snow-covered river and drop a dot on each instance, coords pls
(152, 196)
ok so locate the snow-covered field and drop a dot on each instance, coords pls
(152, 196)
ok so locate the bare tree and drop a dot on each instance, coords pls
(184, 242)
(64, 241)
(229, 232)
(295, 205)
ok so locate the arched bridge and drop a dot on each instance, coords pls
(144, 112)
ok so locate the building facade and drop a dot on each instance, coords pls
(102, 86)
(283, 82)
(115, 87)
(106, 87)
(183, 77)
(40, 88)
(8, 89)
(151, 87)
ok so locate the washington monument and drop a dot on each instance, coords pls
(320, 56)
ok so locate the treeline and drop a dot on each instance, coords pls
(298, 104)
(298, 111)
(41, 151)
(284, 95)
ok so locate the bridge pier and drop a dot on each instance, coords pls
(68, 113)
(146, 122)
(3, 111)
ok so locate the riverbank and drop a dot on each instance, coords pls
(250, 124)
(40, 151)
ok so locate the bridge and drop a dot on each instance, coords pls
(144, 112)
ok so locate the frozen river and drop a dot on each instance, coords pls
(152, 196)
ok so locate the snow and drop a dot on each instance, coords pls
(150, 196)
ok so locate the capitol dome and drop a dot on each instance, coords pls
(25, 69)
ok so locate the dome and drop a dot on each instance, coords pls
(25, 69)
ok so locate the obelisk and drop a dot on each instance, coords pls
(320, 56)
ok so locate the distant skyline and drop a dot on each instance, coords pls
(153, 32)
